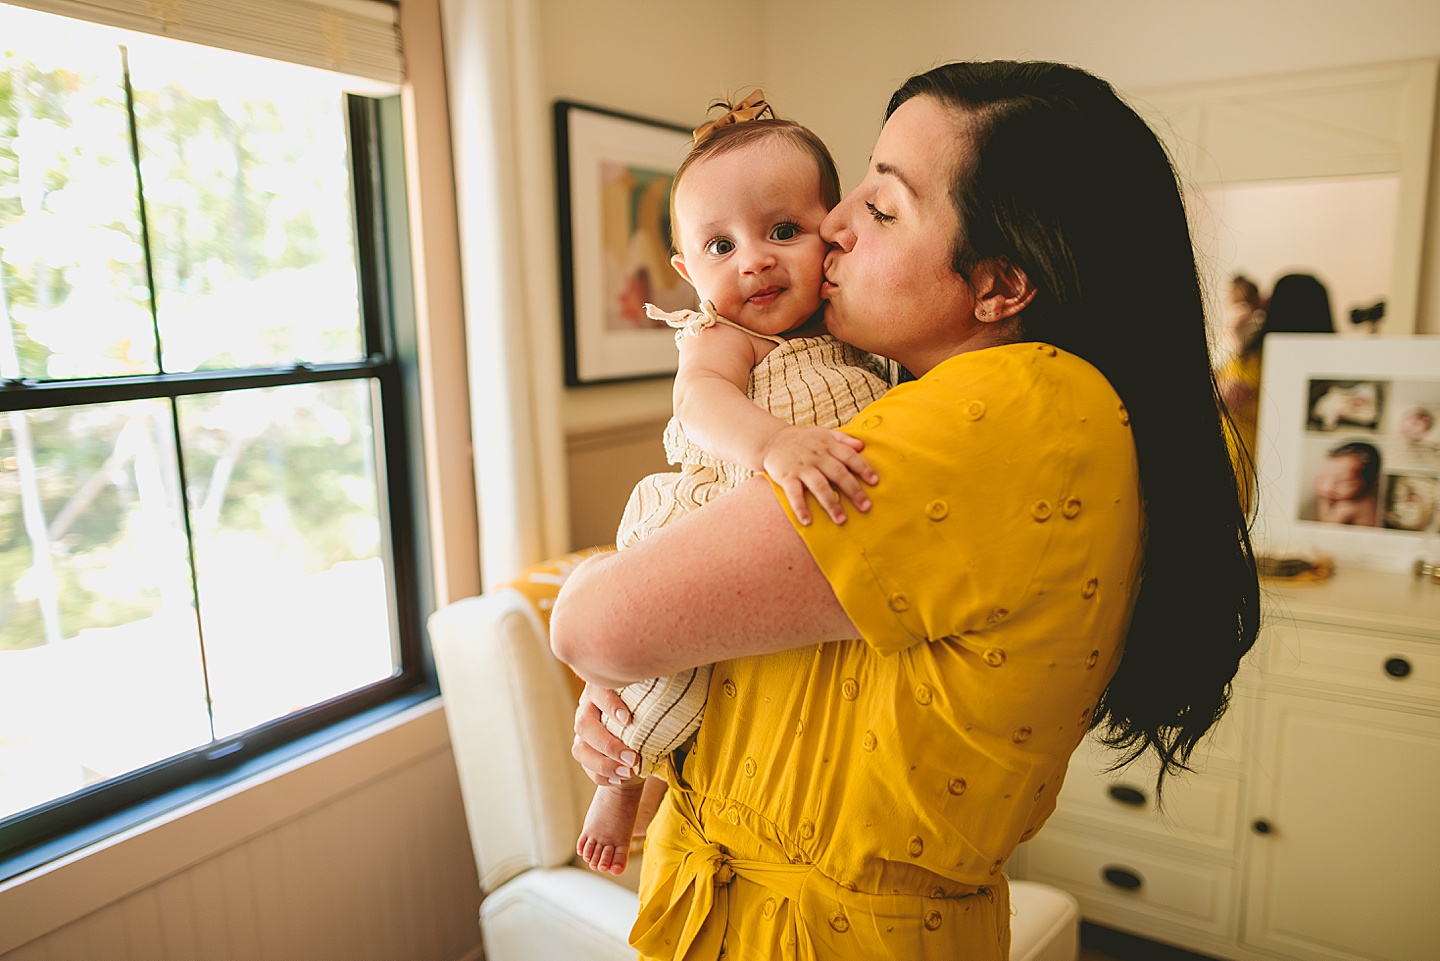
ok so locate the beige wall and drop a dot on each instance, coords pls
(1132, 43)
(861, 55)
(653, 58)
(667, 61)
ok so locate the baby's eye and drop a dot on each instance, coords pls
(719, 247)
(785, 231)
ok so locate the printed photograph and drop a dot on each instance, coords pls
(1341, 482)
(635, 223)
(1345, 404)
(1410, 502)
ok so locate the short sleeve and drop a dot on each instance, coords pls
(983, 464)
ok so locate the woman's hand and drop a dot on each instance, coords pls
(606, 759)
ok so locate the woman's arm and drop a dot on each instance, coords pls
(729, 580)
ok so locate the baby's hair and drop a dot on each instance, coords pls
(734, 136)
(1369, 459)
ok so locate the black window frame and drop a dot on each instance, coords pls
(374, 131)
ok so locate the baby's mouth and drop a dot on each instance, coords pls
(766, 296)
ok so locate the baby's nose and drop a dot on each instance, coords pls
(757, 261)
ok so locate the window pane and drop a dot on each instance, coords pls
(72, 270)
(247, 191)
(100, 668)
(285, 511)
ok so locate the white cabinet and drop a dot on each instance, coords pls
(1349, 864)
(1311, 830)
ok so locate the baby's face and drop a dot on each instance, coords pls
(1416, 423)
(748, 231)
(1339, 478)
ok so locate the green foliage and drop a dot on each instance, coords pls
(239, 193)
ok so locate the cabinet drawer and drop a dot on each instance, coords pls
(1366, 663)
(1198, 808)
(1195, 894)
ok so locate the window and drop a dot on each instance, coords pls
(208, 536)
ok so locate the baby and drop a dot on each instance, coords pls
(1346, 485)
(760, 387)
(1357, 404)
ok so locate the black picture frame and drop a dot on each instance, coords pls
(613, 176)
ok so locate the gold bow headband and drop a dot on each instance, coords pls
(752, 107)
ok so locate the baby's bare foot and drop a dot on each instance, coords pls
(605, 839)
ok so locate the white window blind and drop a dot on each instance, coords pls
(356, 37)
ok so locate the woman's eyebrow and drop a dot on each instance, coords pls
(890, 170)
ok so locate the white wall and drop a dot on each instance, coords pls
(861, 52)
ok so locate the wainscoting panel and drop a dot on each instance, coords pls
(383, 871)
(604, 464)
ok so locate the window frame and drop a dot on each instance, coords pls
(374, 132)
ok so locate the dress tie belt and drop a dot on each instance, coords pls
(690, 911)
(686, 912)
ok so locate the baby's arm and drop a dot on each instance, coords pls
(711, 405)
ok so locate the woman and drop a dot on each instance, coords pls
(1019, 244)
(1299, 304)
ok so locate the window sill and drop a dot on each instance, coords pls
(70, 887)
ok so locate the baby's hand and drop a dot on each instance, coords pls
(821, 461)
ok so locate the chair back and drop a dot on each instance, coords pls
(510, 707)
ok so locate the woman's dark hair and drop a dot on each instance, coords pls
(1299, 304)
(1369, 460)
(1060, 178)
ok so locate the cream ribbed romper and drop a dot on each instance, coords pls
(806, 381)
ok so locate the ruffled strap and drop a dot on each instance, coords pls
(690, 322)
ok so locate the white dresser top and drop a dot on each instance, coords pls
(1356, 597)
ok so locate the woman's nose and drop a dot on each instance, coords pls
(835, 228)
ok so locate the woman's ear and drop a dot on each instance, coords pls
(1002, 291)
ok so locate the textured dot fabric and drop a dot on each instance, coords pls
(859, 799)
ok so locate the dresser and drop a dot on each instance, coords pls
(1310, 829)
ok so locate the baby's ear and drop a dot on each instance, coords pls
(678, 262)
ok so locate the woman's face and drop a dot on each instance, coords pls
(888, 280)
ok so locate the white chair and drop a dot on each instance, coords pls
(510, 707)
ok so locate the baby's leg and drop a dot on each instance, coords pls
(618, 815)
(609, 824)
(665, 713)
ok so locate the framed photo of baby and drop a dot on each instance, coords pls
(614, 172)
(1349, 447)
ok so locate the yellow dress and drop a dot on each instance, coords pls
(1239, 380)
(858, 799)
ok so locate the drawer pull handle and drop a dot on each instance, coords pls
(1397, 667)
(1127, 795)
(1121, 878)
(1261, 826)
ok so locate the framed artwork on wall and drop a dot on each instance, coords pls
(614, 173)
(1349, 448)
